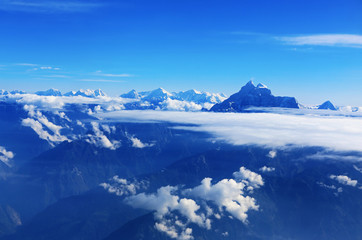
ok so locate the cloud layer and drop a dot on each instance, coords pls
(268, 129)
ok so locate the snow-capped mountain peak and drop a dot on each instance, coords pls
(87, 93)
(133, 94)
(260, 85)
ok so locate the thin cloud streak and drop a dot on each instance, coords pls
(47, 6)
(100, 80)
(100, 73)
(340, 40)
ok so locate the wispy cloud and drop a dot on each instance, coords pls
(26, 64)
(100, 73)
(56, 76)
(45, 68)
(49, 6)
(100, 80)
(340, 40)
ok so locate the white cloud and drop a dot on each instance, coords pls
(272, 154)
(267, 169)
(123, 187)
(138, 144)
(227, 194)
(342, 40)
(345, 180)
(5, 155)
(43, 134)
(192, 204)
(37, 120)
(169, 230)
(100, 140)
(52, 103)
(176, 105)
(253, 179)
(357, 168)
(268, 129)
(165, 201)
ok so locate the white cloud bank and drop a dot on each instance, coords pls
(193, 205)
(266, 129)
(343, 40)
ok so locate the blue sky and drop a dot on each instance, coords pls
(304, 48)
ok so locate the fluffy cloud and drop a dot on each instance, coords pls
(43, 134)
(38, 121)
(253, 179)
(5, 155)
(192, 204)
(138, 144)
(101, 140)
(272, 154)
(227, 194)
(165, 201)
(176, 105)
(269, 129)
(123, 187)
(267, 169)
(345, 180)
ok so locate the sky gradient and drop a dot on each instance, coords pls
(308, 49)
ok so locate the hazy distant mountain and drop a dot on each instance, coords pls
(50, 92)
(253, 96)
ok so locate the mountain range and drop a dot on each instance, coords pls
(88, 166)
(249, 96)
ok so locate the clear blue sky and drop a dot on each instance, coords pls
(310, 49)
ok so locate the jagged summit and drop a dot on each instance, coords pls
(133, 94)
(87, 93)
(159, 95)
(327, 105)
(254, 96)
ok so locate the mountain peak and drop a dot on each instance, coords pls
(133, 94)
(251, 96)
(87, 93)
(327, 105)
